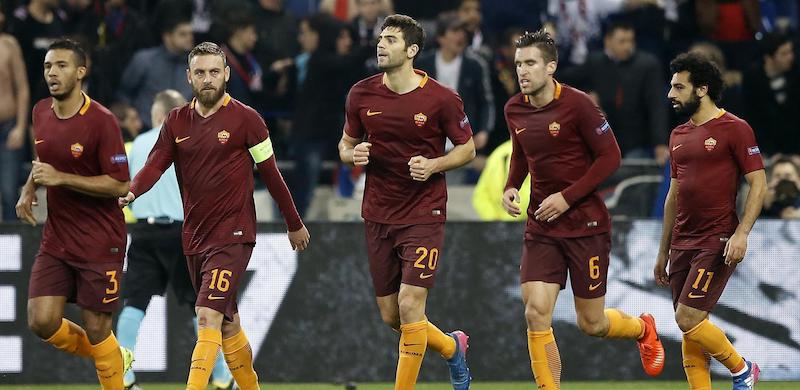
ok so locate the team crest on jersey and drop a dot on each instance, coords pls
(223, 137)
(420, 119)
(710, 143)
(76, 149)
(554, 129)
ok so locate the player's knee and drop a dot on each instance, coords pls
(592, 326)
(686, 322)
(43, 325)
(537, 315)
(411, 308)
(208, 318)
(97, 329)
(391, 319)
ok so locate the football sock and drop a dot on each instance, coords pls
(130, 319)
(71, 338)
(108, 363)
(440, 342)
(203, 357)
(696, 365)
(220, 374)
(713, 340)
(413, 342)
(545, 359)
(239, 357)
(623, 326)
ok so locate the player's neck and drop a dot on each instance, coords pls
(206, 112)
(707, 111)
(402, 80)
(70, 106)
(544, 96)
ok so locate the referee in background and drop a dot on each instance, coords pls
(155, 256)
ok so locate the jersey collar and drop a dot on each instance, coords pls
(87, 101)
(225, 100)
(556, 92)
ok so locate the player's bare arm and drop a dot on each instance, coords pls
(101, 186)
(736, 247)
(354, 152)
(422, 168)
(670, 211)
(27, 199)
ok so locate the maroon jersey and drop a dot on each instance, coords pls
(568, 147)
(81, 227)
(399, 127)
(708, 162)
(214, 171)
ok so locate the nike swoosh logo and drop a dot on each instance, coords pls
(693, 295)
(179, 140)
(38, 141)
(520, 130)
(106, 300)
(373, 113)
(211, 297)
(674, 148)
(593, 287)
(423, 276)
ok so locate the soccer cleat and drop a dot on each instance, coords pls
(748, 380)
(127, 360)
(650, 348)
(219, 385)
(459, 371)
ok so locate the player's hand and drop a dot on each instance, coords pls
(421, 168)
(735, 249)
(511, 202)
(299, 239)
(551, 208)
(44, 174)
(16, 138)
(361, 154)
(25, 206)
(660, 269)
(123, 201)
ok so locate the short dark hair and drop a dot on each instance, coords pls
(542, 40)
(771, 42)
(449, 21)
(702, 71)
(73, 46)
(413, 33)
(613, 26)
(786, 160)
(208, 49)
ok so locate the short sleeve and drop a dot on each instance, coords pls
(111, 151)
(352, 124)
(745, 149)
(454, 121)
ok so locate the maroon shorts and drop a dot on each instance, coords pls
(548, 259)
(403, 253)
(215, 276)
(698, 277)
(92, 285)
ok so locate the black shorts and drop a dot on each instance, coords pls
(155, 260)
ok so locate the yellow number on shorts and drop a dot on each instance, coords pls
(700, 273)
(594, 268)
(220, 283)
(112, 277)
(432, 255)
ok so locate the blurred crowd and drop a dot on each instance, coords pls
(294, 61)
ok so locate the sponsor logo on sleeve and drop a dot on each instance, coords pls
(119, 158)
(602, 129)
(753, 150)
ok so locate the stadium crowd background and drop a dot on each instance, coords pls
(294, 61)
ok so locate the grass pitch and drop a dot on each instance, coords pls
(633, 385)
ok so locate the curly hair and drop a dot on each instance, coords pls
(702, 71)
(542, 40)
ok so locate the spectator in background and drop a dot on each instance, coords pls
(83, 21)
(129, 121)
(323, 72)
(37, 25)
(366, 25)
(487, 198)
(733, 97)
(783, 192)
(274, 51)
(158, 68)
(469, 11)
(628, 87)
(578, 26)
(732, 25)
(14, 101)
(246, 81)
(453, 66)
(121, 33)
(771, 91)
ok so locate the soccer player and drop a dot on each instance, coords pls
(83, 165)
(702, 238)
(155, 255)
(214, 142)
(397, 123)
(562, 139)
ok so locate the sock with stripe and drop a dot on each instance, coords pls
(545, 359)
(696, 365)
(239, 357)
(108, 363)
(71, 338)
(205, 353)
(413, 342)
(440, 342)
(623, 326)
(713, 340)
